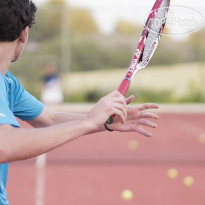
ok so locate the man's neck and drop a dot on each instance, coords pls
(6, 55)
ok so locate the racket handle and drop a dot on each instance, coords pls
(124, 86)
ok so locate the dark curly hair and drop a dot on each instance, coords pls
(15, 15)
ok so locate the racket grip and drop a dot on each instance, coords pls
(124, 86)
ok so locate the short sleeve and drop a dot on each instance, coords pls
(6, 115)
(25, 106)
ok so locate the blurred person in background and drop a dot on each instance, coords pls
(50, 129)
(51, 92)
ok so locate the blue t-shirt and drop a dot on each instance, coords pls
(15, 101)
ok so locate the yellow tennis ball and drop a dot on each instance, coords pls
(188, 181)
(133, 144)
(172, 173)
(127, 195)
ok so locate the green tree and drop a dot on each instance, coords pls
(82, 21)
(197, 43)
(56, 2)
(124, 27)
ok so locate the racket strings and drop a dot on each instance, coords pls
(154, 32)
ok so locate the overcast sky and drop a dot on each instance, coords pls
(106, 12)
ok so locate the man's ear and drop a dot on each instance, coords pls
(24, 35)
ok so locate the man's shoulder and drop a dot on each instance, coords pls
(10, 78)
(9, 75)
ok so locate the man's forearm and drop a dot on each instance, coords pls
(21, 143)
(49, 118)
(61, 117)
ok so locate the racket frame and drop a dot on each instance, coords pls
(136, 63)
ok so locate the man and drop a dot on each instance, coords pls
(51, 129)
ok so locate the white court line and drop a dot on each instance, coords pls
(40, 180)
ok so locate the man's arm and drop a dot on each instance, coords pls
(136, 116)
(21, 143)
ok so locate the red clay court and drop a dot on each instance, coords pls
(167, 169)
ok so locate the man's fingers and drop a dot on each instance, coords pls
(149, 115)
(147, 123)
(120, 114)
(121, 108)
(117, 97)
(129, 99)
(148, 106)
(118, 109)
(121, 100)
(115, 100)
(143, 132)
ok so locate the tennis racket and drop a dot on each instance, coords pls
(147, 45)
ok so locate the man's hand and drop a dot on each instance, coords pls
(112, 104)
(126, 118)
(137, 116)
